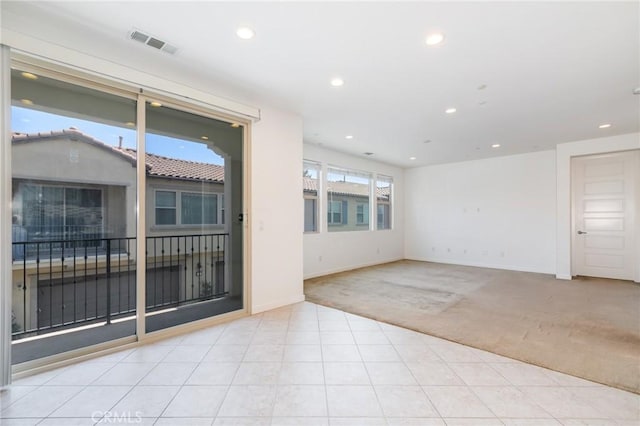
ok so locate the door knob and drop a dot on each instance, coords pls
(581, 232)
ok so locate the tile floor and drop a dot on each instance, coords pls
(310, 365)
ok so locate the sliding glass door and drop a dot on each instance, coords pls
(73, 216)
(194, 213)
(88, 269)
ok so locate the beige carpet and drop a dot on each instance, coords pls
(586, 327)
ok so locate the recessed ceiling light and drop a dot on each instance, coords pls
(155, 104)
(245, 33)
(29, 75)
(636, 91)
(450, 110)
(235, 125)
(427, 141)
(412, 158)
(368, 153)
(337, 82)
(26, 101)
(482, 87)
(495, 145)
(434, 39)
(604, 126)
(204, 137)
(349, 137)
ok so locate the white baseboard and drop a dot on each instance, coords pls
(518, 268)
(563, 277)
(350, 268)
(278, 304)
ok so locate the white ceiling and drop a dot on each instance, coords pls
(553, 71)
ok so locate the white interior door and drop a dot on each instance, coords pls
(605, 200)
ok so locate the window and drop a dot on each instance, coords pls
(362, 214)
(384, 186)
(347, 199)
(199, 209)
(166, 208)
(193, 208)
(335, 216)
(48, 213)
(310, 184)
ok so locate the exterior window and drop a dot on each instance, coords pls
(166, 212)
(362, 214)
(188, 208)
(60, 213)
(347, 200)
(335, 213)
(199, 209)
(384, 185)
(310, 184)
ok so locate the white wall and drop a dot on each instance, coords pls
(329, 252)
(497, 212)
(276, 217)
(564, 152)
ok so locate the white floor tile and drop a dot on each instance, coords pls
(531, 422)
(248, 401)
(125, 374)
(458, 401)
(226, 353)
(41, 402)
(300, 400)
(521, 374)
(196, 401)
(346, 373)
(417, 353)
(297, 421)
(453, 352)
(434, 373)
(304, 325)
(405, 401)
(187, 353)
(169, 373)
(257, 373)
(334, 325)
(209, 373)
(242, 421)
(91, 400)
(390, 373)
(269, 338)
(184, 421)
(302, 353)
(145, 401)
(358, 421)
(370, 338)
(22, 422)
(472, 422)
(414, 421)
(301, 373)
(352, 401)
(477, 374)
(336, 338)
(560, 402)
(13, 393)
(235, 337)
(208, 336)
(148, 353)
(303, 338)
(508, 401)
(264, 353)
(340, 353)
(379, 353)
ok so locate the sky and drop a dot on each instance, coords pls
(27, 120)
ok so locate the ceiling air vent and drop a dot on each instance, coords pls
(151, 41)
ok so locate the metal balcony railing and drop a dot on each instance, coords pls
(61, 284)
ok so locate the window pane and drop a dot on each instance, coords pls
(64, 136)
(165, 216)
(384, 186)
(310, 210)
(165, 199)
(191, 209)
(347, 188)
(310, 184)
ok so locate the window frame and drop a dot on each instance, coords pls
(382, 202)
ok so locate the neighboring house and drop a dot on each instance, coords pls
(347, 205)
(77, 203)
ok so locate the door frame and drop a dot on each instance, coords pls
(564, 153)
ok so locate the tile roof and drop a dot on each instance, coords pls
(157, 165)
(160, 166)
